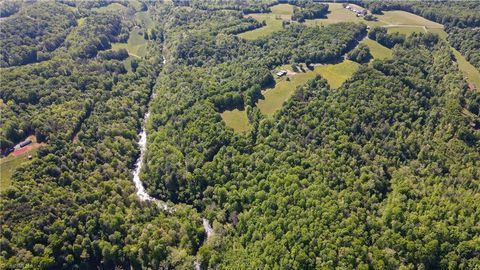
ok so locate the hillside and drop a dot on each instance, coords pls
(239, 135)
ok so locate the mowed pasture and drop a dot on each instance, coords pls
(273, 21)
(236, 119)
(335, 74)
(377, 50)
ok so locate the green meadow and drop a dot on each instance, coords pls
(136, 44)
(273, 21)
(236, 119)
(377, 50)
(335, 74)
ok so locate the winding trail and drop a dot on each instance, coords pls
(143, 195)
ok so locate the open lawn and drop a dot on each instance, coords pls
(237, 120)
(9, 164)
(335, 74)
(136, 44)
(273, 21)
(377, 50)
(407, 30)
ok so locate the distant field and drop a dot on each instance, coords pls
(273, 21)
(377, 50)
(337, 13)
(237, 120)
(9, 164)
(398, 18)
(406, 30)
(136, 44)
(335, 74)
(113, 7)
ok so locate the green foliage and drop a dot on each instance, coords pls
(94, 35)
(309, 11)
(449, 13)
(34, 33)
(380, 173)
(466, 41)
(386, 39)
(361, 54)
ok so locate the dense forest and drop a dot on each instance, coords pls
(380, 173)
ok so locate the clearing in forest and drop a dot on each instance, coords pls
(236, 119)
(136, 44)
(337, 13)
(273, 21)
(113, 7)
(15, 160)
(335, 74)
(377, 50)
(402, 18)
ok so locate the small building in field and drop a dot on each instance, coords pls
(281, 73)
(26, 142)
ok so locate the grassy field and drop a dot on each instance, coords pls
(377, 50)
(399, 18)
(113, 7)
(407, 30)
(237, 120)
(335, 74)
(136, 44)
(273, 21)
(9, 164)
(337, 13)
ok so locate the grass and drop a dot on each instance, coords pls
(236, 119)
(335, 74)
(113, 7)
(136, 44)
(337, 13)
(377, 50)
(398, 17)
(273, 21)
(9, 164)
(407, 30)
